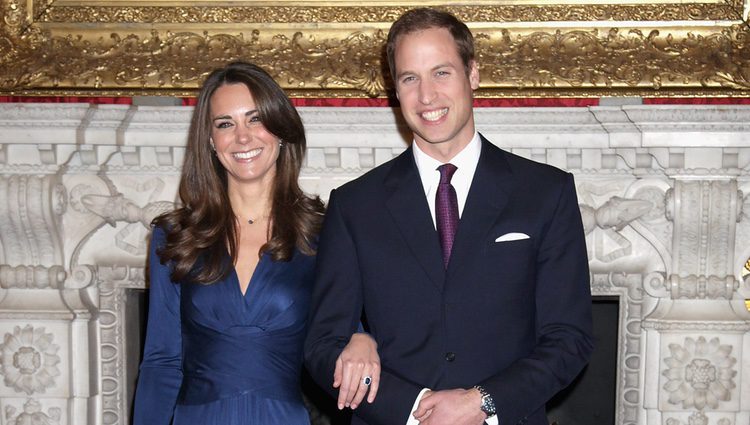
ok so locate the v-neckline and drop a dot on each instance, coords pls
(238, 284)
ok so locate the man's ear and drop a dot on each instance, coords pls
(474, 75)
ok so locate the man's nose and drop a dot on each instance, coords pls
(426, 91)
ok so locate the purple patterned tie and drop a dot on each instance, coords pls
(446, 210)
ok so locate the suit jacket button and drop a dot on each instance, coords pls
(450, 356)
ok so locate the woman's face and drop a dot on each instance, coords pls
(243, 145)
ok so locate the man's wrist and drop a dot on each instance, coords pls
(487, 403)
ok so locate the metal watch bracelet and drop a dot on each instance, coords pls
(488, 404)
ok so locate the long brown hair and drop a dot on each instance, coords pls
(199, 234)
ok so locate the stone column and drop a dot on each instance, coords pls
(696, 334)
(45, 353)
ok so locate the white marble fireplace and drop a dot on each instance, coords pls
(664, 192)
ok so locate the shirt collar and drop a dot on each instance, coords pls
(465, 161)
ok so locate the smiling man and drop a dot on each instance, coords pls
(468, 263)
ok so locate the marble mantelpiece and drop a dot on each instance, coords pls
(662, 190)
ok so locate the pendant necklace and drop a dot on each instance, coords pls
(255, 220)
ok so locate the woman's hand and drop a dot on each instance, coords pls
(359, 359)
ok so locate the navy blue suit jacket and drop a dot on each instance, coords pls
(514, 317)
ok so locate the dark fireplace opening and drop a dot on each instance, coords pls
(590, 399)
(136, 313)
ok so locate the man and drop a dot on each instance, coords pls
(482, 318)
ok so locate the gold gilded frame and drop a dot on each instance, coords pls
(333, 48)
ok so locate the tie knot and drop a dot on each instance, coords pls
(446, 173)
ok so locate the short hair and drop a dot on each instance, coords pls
(420, 19)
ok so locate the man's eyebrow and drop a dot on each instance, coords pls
(434, 68)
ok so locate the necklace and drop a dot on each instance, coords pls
(255, 220)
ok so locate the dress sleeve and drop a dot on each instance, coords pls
(160, 374)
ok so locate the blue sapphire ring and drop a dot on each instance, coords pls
(367, 380)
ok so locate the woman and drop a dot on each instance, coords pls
(231, 271)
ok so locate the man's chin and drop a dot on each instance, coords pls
(432, 141)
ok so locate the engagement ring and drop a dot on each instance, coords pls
(367, 380)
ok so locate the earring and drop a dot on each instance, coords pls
(281, 143)
(211, 142)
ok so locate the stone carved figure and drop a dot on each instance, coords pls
(118, 208)
(615, 214)
(611, 217)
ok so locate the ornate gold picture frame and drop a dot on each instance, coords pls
(525, 48)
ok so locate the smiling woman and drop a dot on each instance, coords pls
(579, 48)
(243, 145)
(231, 271)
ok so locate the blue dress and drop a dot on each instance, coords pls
(216, 357)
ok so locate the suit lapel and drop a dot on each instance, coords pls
(488, 196)
(408, 207)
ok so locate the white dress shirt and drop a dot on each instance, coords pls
(466, 164)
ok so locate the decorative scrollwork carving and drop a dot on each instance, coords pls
(617, 57)
(376, 14)
(340, 55)
(29, 219)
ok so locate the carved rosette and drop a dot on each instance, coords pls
(700, 373)
(32, 412)
(29, 359)
(698, 418)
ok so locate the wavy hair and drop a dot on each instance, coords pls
(199, 234)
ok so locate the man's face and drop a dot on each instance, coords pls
(435, 93)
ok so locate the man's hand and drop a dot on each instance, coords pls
(451, 407)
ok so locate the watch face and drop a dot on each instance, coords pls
(488, 405)
(486, 408)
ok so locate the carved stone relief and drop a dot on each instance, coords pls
(33, 413)
(663, 201)
(29, 360)
(700, 373)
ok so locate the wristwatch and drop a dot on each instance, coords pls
(488, 404)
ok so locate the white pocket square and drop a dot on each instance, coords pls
(513, 236)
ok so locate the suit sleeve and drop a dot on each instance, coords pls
(563, 318)
(335, 315)
(160, 374)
